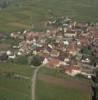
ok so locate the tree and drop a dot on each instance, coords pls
(3, 57)
(21, 60)
(36, 61)
(94, 60)
(3, 4)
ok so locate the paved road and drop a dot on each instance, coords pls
(34, 82)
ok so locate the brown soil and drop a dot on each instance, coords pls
(72, 83)
(16, 24)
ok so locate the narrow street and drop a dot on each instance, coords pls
(34, 77)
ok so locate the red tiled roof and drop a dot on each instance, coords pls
(70, 68)
(53, 62)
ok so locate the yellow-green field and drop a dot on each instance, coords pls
(21, 14)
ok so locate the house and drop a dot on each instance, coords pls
(8, 52)
(53, 63)
(42, 51)
(72, 48)
(78, 43)
(66, 59)
(25, 31)
(83, 40)
(87, 60)
(70, 35)
(62, 56)
(22, 43)
(45, 61)
(86, 69)
(96, 43)
(46, 51)
(72, 70)
(97, 64)
(19, 53)
(12, 56)
(32, 35)
(66, 42)
(14, 35)
(34, 52)
(54, 53)
(69, 32)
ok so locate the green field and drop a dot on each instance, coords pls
(24, 70)
(12, 88)
(53, 72)
(21, 14)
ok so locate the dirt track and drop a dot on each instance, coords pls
(34, 82)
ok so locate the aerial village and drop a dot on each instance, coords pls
(66, 44)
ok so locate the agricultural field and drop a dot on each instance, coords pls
(21, 14)
(15, 87)
(53, 87)
(24, 70)
(46, 90)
